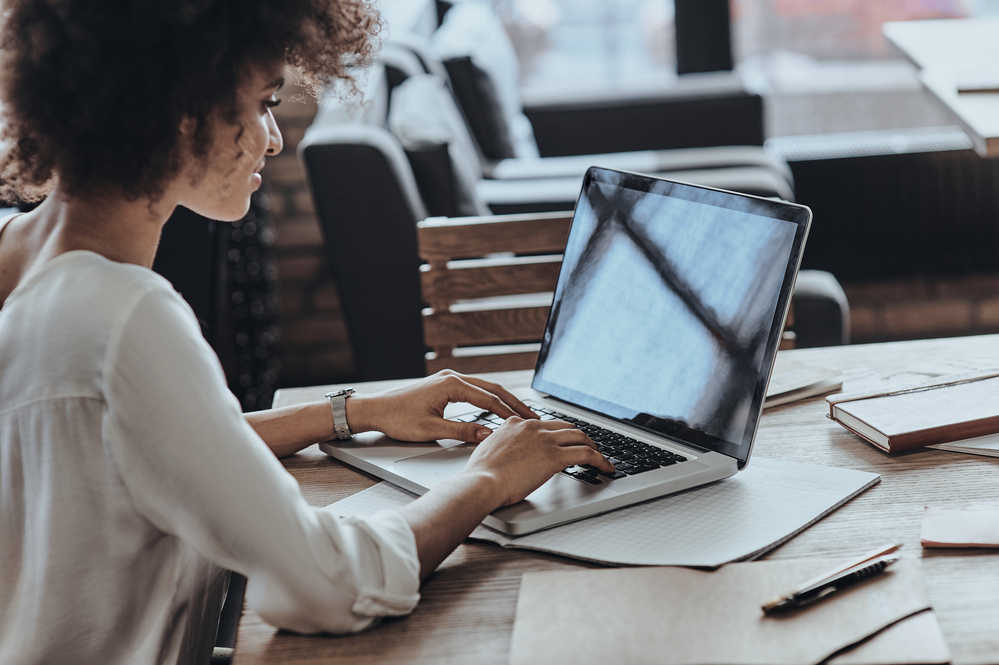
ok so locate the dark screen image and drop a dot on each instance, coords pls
(663, 310)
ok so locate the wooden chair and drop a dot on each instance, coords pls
(488, 282)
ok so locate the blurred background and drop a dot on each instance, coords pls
(823, 64)
(830, 113)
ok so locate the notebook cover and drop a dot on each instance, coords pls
(914, 417)
(738, 518)
(975, 526)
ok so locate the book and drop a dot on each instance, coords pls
(914, 416)
(793, 381)
(972, 526)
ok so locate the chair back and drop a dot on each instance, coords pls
(488, 283)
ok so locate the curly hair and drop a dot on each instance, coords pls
(96, 91)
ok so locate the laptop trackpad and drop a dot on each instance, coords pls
(430, 469)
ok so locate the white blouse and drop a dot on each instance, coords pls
(129, 476)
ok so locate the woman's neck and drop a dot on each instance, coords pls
(113, 226)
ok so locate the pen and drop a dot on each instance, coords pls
(826, 585)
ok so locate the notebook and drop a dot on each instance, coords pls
(793, 380)
(679, 616)
(910, 417)
(738, 518)
(973, 526)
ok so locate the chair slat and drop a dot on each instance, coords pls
(510, 276)
(442, 238)
(501, 362)
(490, 326)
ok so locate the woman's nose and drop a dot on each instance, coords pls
(275, 141)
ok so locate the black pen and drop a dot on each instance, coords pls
(830, 585)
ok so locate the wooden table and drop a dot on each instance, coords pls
(951, 50)
(467, 611)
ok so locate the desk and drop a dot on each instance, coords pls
(467, 610)
(950, 49)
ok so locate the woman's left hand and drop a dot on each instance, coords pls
(416, 412)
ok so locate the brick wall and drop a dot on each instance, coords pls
(313, 347)
(924, 307)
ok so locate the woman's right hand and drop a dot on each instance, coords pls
(522, 454)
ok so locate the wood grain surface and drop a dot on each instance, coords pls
(467, 611)
(472, 364)
(487, 326)
(442, 238)
(487, 278)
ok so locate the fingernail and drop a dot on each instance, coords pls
(482, 433)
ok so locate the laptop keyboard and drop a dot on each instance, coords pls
(629, 456)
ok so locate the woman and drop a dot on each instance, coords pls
(128, 474)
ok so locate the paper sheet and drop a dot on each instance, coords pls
(976, 526)
(679, 616)
(980, 445)
(737, 518)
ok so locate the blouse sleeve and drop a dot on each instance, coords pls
(195, 468)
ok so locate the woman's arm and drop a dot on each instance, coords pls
(290, 428)
(412, 413)
(505, 468)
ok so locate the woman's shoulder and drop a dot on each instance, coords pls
(77, 308)
(81, 296)
(84, 278)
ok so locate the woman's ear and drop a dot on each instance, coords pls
(187, 126)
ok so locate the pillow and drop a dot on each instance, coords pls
(482, 65)
(425, 120)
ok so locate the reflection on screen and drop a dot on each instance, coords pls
(663, 310)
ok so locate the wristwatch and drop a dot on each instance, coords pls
(338, 403)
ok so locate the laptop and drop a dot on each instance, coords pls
(664, 326)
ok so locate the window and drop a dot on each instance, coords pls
(584, 45)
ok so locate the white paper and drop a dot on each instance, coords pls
(737, 518)
(979, 445)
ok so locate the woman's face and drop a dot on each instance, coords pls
(220, 186)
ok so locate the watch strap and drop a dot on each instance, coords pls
(338, 404)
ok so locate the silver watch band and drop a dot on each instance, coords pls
(338, 404)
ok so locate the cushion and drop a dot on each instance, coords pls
(510, 196)
(428, 124)
(482, 66)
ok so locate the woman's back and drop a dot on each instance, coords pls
(82, 568)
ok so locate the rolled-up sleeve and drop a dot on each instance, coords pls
(196, 470)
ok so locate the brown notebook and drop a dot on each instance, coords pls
(914, 416)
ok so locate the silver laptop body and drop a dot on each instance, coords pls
(664, 328)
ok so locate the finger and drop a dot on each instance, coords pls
(584, 455)
(569, 437)
(463, 391)
(521, 409)
(554, 424)
(441, 428)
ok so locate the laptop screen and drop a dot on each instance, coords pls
(669, 307)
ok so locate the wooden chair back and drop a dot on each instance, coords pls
(488, 283)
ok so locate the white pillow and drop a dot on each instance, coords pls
(471, 30)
